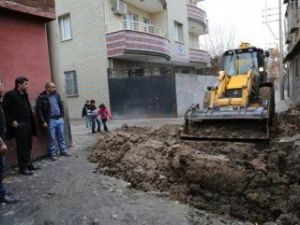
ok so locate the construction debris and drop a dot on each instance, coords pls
(259, 182)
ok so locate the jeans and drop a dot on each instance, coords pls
(94, 121)
(2, 189)
(88, 121)
(56, 134)
(104, 124)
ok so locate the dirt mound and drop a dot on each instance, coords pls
(257, 182)
(288, 123)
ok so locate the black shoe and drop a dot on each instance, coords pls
(8, 199)
(31, 167)
(53, 158)
(26, 172)
(65, 154)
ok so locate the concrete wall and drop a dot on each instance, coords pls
(85, 53)
(190, 89)
(160, 19)
(24, 51)
(177, 11)
(194, 41)
(295, 81)
(112, 18)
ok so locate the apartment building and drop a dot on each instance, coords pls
(101, 47)
(292, 57)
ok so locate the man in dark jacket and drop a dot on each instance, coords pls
(20, 123)
(4, 196)
(50, 113)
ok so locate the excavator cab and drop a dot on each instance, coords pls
(240, 106)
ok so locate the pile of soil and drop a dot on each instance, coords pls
(259, 182)
(287, 124)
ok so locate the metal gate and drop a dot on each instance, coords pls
(143, 96)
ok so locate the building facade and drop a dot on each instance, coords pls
(95, 41)
(24, 51)
(292, 57)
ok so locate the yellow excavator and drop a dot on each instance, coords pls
(241, 106)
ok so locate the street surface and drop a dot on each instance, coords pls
(69, 191)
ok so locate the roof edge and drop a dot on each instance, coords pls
(27, 10)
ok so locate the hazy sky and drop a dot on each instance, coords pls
(244, 17)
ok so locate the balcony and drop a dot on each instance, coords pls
(199, 56)
(137, 41)
(198, 23)
(152, 6)
(43, 8)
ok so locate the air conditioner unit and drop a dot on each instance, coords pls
(119, 7)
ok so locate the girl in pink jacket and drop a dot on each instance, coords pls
(104, 114)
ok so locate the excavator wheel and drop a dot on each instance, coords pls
(206, 100)
(267, 93)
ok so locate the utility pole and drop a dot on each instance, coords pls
(276, 17)
(281, 76)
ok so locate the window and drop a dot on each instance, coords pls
(146, 24)
(65, 27)
(178, 32)
(131, 21)
(71, 83)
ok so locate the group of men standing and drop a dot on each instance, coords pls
(17, 121)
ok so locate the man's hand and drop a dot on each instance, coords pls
(15, 124)
(45, 125)
(3, 149)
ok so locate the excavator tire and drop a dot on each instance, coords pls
(267, 93)
(206, 100)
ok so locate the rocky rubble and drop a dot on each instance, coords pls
(259, 182)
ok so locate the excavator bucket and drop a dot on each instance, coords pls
(231, 124)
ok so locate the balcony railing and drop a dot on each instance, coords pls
(136, 26)
(196, 13)
(199, 56)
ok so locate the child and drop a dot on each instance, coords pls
(94, 119)
(104, 115)
(86, 113)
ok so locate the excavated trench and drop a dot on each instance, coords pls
(259, 182)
